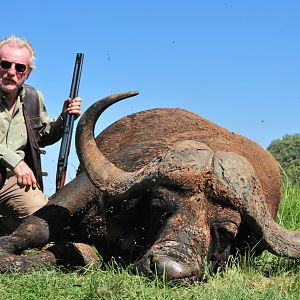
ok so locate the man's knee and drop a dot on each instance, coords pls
(31, 202)
(22, 202)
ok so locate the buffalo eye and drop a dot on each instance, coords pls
(222, 236)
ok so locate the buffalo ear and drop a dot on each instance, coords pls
(236, 180)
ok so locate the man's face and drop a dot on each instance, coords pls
(12, 61)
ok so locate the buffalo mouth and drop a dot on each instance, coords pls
(169, 261)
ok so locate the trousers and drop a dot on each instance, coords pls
(18, 202)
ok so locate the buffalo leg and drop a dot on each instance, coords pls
(61, 254)
(45, 225)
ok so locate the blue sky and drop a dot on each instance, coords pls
(233, 62)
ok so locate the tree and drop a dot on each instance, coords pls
(287, 152)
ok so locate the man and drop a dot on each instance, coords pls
(21, 194)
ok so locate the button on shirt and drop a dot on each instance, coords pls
(13, 133)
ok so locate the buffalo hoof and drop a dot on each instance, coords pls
(87, 253)
(75, 254)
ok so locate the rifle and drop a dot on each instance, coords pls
(68, 129)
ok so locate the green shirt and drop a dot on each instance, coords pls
(13, 133)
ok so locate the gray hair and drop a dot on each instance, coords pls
(19, 43)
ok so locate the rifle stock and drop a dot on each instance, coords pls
(68, 129)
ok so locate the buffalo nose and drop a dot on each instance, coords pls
(170, 268)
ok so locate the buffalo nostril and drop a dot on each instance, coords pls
(169, 268)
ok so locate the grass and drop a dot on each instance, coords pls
(263, 277)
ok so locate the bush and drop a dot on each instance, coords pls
(287, 152)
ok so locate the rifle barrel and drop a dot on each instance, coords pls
(68, 129)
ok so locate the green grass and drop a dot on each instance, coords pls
(263, 277)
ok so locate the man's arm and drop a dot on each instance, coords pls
(14, 161)
(53, 128)
(10, 158)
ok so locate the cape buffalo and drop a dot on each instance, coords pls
(164, 189)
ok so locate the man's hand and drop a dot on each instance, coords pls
(25, 176)
(72, 107)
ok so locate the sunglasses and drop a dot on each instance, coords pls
(6, 65)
